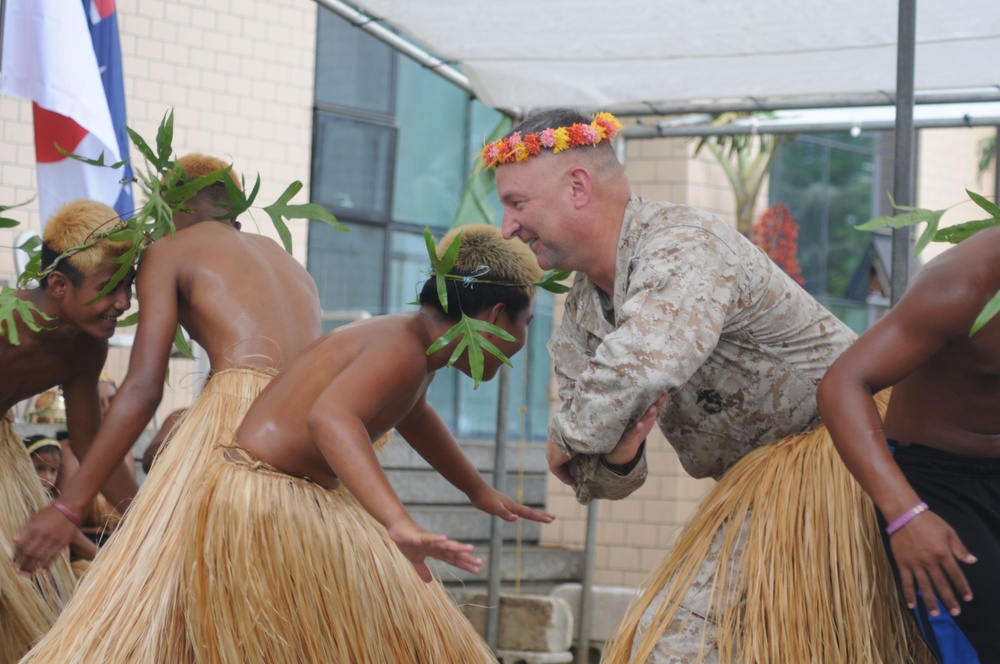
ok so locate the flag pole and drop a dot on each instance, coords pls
(3, 12)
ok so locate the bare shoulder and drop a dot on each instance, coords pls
(950, 291)
(967, 270)
(391, 344)
(165, 250)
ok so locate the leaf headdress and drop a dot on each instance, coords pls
(468, 330)
(167, 189)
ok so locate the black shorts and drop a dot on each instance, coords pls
(965, 492)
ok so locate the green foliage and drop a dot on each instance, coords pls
(181, 343)
(6, 222)
(550, 281)
(11, 304)
(912, 217)
(280, 209)
(954, 234)
(989, 311)
(166, 190)
(746, 160)
(441, 267)
(471, 331)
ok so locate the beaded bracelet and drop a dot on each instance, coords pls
(73, 517)
(908, 515)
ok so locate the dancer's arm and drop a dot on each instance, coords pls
(927, 548)
(48, 532)
(337, 422)
(83, 418)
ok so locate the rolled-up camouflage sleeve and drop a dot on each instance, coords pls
(669, 318)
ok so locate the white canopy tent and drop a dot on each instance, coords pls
(522, 54)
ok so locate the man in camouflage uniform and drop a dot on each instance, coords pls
(674, 318)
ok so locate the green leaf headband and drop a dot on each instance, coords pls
(470, 329)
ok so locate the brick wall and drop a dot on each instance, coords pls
(946, 165)
(239, 77)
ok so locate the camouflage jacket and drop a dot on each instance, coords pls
(699, 313)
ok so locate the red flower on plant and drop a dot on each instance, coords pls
(777, 234)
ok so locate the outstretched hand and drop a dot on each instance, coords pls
(417, 544)
(926, 551)
(41, 539)
(628, 445)
(493, 502)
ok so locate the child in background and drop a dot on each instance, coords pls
(46, 457)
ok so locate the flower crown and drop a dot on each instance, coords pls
(519, 148)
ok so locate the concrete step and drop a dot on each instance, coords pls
(427, 486)
(398, 454)
(467, 524)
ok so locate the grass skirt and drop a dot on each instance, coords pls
(28, 607)
(285, 571)
(128, 607)
(806, 580)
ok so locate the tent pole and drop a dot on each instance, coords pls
(800, 103)
(996, 166)
(587, 587)
(902, 238)
(665, 129)
(3, 13)
(496, 523)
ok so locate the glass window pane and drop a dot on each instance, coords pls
(441, 395)
(536, 391)
(530, 376)
(353, 69)
(408, 266)
(430, 160)
(483, 122)
(347, 267)
(827, 183)
(352, 165)
(477, 414)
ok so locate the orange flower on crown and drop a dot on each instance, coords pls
(532, 145)
(515, 147)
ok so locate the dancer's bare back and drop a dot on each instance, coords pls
(239, 295)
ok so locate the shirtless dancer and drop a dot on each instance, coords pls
(69, 350)
(938, 489)
(253, 308)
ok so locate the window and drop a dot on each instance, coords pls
(393, 146)
(830, 183)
